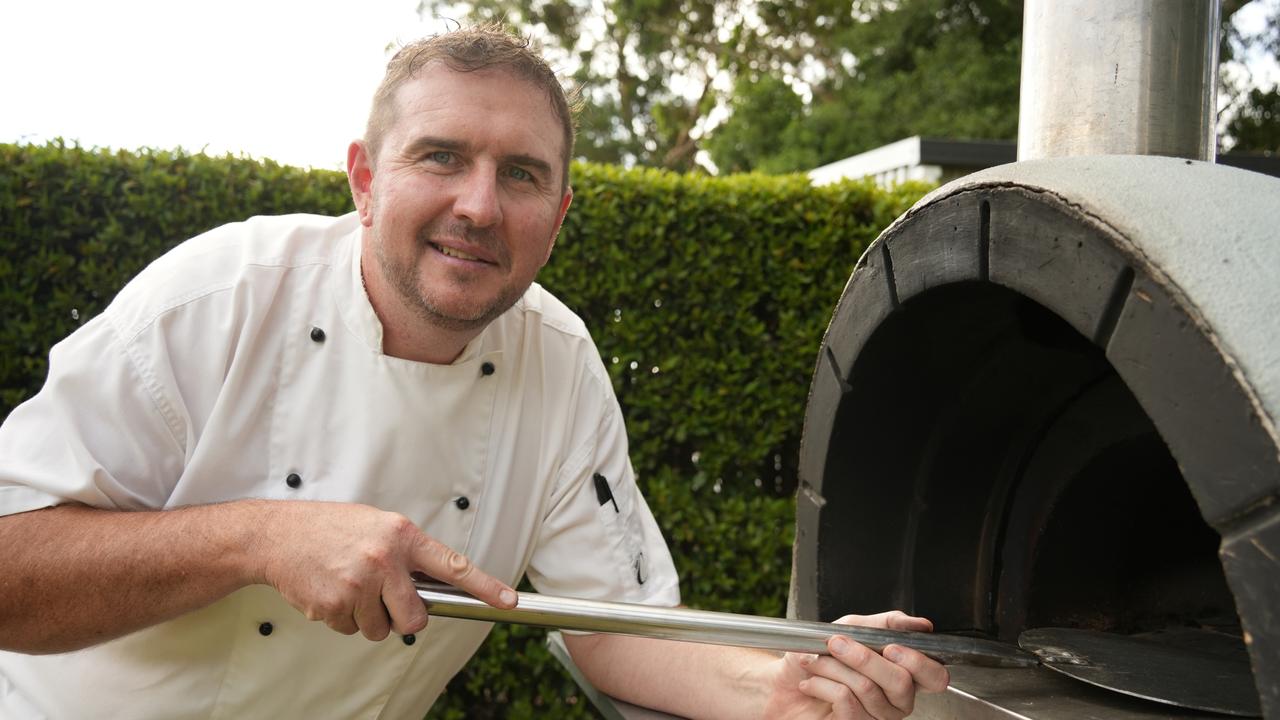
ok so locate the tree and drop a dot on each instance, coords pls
(654, 71)
(766, 130)
(1248, 115)
(785, 85)
(800, 81)
(949, 68)
(646, 67)
(915, 67)
(1256, 126)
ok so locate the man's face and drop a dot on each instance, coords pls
(465, 196)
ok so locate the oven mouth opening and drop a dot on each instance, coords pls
(990, 470)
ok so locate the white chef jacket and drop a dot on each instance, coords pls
(207, 380)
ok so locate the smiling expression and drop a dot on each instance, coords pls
(464, 196)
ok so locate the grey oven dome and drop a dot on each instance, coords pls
(1049, 395)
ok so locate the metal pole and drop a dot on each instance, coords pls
(716, 628)
(1119, 77)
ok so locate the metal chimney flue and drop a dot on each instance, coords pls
(1119, 77)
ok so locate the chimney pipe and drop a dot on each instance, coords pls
(1119, 77)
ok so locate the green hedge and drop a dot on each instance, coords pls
(707, 297)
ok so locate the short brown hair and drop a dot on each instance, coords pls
(468, 49)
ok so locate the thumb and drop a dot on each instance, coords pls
(795, 667)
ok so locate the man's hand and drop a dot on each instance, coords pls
(349, 566)
(97, 574)
(855, 682)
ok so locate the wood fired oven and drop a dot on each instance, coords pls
(1048, 397)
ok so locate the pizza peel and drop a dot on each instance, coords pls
(1179, 669)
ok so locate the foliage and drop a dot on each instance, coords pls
(939, 68)
(648, 68)
(1249, 116)
(654, 71)
(786, 85)
(707, 297)
(1256, 128)
(767, 130)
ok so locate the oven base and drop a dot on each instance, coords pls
(978, 693)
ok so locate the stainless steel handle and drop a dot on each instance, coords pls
(717, 628)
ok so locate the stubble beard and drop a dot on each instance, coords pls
(404, 278)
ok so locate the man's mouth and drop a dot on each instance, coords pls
(456, 253)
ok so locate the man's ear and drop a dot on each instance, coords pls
(360, 179)
(564, 210)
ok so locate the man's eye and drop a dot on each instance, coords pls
(441, 156)
(518, 173)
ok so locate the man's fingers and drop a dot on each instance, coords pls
(344, 624)
(885, 689)
(440, 561)
(371, 617)
(929, 675)
(898, 620)
(892, 620)
(408, 613)
(844, 704)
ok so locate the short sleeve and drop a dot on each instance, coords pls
(93, 434)
(600, 541)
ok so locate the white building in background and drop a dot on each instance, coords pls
(939, 161)
(916, 158)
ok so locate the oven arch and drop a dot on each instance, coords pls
(1038, 288)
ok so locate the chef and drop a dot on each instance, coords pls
(213, 507)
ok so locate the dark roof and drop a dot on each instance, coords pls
(978, 154)
(1265, 164)
(967, 153)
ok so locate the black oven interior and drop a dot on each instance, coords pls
(1018, 483)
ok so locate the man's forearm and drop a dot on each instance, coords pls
(685, 679)
(73, 576)
(710, 681)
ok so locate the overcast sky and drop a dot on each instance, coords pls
(284, 79)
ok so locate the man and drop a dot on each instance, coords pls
(282, 419)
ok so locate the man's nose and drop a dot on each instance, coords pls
(477, 199)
